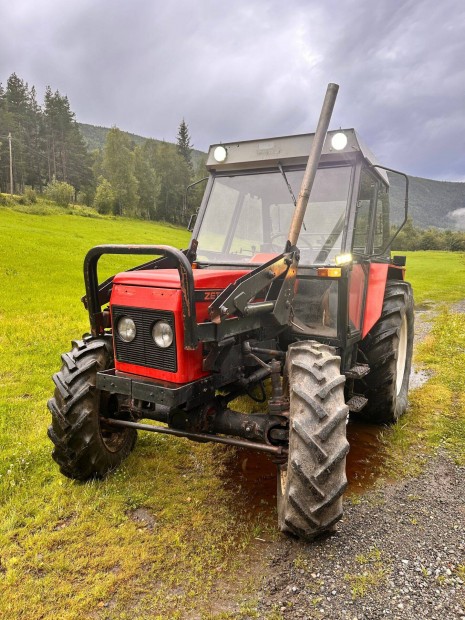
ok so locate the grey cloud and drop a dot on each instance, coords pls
(250, 69)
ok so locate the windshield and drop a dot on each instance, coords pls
(248, 217)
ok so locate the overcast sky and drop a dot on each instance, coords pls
(258, 68)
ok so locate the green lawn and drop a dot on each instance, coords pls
(436, 415)
(436, 276)
(70, 550)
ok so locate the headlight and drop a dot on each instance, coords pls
(343, 259)
(162, 334)
(126, 329)
(220, 154)
(339, 141)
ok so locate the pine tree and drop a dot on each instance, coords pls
(17, 107)
(67, 156)
(184, 145)
(35, 143)
(4, 164)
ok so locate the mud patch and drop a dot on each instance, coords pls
(423, 324)
(425, 314)
(459, 307)
(366, 455)
(64, 522)
(252, 475)
(143, 517)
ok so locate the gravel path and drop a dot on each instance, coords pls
(396, 554)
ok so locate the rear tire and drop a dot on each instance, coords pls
(311, 484)
(388, 349)
(82, 447)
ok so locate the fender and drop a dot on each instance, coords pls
(377, 277)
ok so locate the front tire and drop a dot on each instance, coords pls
(388, 349)
(82, 447)
(312, 482)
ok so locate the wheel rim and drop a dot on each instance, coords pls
(401, 355)
(283, 479)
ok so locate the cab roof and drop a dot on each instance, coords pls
(288, 150)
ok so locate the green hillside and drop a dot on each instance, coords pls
(95, 136)
(440, 204)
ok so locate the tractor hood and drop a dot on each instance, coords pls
(217, 279)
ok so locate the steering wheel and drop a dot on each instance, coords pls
(284, 235)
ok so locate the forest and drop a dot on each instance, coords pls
(42, 151)
(127, 175)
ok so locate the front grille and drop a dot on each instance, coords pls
(142, 350)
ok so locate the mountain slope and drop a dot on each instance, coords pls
(95, 136)
(440, 204)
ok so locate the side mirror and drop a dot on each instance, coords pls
(192, 220)
(193, 217)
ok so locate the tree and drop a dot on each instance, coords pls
(174, 176)
(407, 239)
(60, 192)
(46, 141)
(147, 178)
(119, 169)
(105, 198)
(35, 142)
(21, 117)
(68, 159)
(183, 142)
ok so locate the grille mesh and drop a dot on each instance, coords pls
(142, 350)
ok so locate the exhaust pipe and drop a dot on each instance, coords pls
(312, 163)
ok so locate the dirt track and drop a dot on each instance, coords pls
(395, 555)
(398, 553)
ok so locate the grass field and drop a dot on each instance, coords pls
(157, 538)
(70, 550)
(436, 415)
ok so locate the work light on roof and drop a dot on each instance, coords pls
(339, 141)
(220, 154)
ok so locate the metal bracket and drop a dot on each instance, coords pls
(277, 276)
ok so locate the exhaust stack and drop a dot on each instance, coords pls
(312, 163)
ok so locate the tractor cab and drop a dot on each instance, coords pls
(251, 196)
(248, 206)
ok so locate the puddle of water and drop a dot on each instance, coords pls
(254, 475)
(366, 455)
(419, 378)
(425, 305)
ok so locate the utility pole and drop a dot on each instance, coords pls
(11, 165)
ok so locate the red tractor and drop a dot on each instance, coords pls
(299, 293)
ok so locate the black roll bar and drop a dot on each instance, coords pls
(178, 261)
